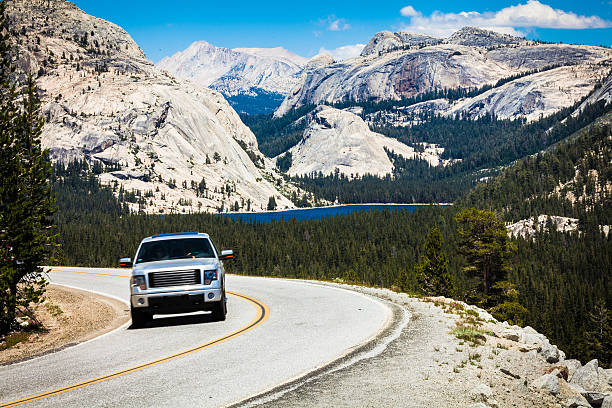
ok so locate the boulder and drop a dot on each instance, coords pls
(608, 375)
(587, 376)
(481, 393)
(577, 402)
(607, 402)
(594, 398)
(479, 405)
(548, 383)
(511, 334)
(550, 352)
(530, 336)
(572, 365)
(605, 378)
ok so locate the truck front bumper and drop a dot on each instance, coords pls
(177, 302)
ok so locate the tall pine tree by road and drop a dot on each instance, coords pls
(484, 242)
(26, 199)
(432, 273)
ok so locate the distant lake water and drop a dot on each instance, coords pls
(321, 212)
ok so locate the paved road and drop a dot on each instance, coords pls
(300, 327)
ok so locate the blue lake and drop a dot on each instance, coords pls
(318, 213)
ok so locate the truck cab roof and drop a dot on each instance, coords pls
(175, 235)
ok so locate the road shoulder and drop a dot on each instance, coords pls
(69, 316)
(425, 365)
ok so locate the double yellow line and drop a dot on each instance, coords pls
(262, 314)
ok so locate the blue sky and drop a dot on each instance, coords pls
(306, 28)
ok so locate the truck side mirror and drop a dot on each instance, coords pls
(125, 262)
(227, 254)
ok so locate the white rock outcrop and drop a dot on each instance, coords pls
(104, 101)
(530, 227)
(340, 140)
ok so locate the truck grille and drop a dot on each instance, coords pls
(174, 278)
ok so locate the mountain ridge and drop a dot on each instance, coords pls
(401, 65)
(237, 72)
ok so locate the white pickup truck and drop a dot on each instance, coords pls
(177, 273)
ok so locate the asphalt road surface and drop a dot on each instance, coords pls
(276, 330)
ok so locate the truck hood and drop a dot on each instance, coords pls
(176, 264)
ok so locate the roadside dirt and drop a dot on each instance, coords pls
(69, 316)
(425, 366)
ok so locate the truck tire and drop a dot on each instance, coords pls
(139, 317)
(220, 311)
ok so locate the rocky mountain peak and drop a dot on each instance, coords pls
(62, 21)
(105, 103)
(479, 37)
(236, 71)
(386, 41)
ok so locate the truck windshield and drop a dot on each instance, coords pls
(166, 249)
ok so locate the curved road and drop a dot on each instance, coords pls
(276, 330)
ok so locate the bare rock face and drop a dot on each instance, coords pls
(236, 71)
(530, 227)
(337, 140)
(477, 37)
(386, 41)
(399, 65)
(104, 101)
(603, 93)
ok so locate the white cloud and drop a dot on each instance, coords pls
(338, 25)
(333, 23)
(509, 20)
(344, 52)
(409, 11)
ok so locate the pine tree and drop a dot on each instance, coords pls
(507, 306)
(26, 199)
(9, 172)
(432, 272)
(484, 241)
(271, 204)
(598, 337)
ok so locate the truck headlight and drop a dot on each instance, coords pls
(138, 281)
(210, 276)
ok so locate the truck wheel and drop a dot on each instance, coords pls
(140, 318)
(220, 311)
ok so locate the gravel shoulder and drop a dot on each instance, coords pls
(69, 316)
(427, 365)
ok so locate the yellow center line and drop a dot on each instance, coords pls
(263, 313)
